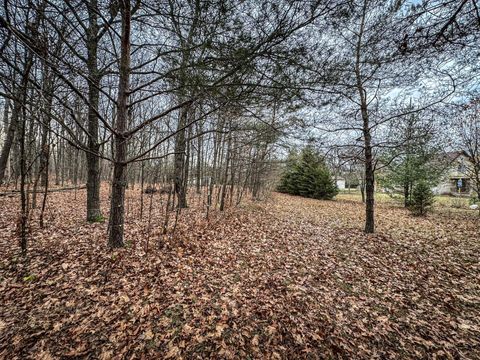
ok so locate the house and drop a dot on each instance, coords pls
(456, 180)
(340, 182)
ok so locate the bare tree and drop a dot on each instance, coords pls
(468, 133)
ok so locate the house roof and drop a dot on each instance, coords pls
(453, 155)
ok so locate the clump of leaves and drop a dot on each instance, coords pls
(473, 200)
(422, 199)
(98, 219)
(30, 278)
(176, 315)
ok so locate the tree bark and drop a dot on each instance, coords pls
(45, 148)
(211, 184)
(117, 208)
(369, 183)
(93, 161)
(225, 176)
(367, 137)
(198, 169)
(23, 192)
(7, 145)
(44, 201)
(179, 159)
(6, 123)
(23, 168)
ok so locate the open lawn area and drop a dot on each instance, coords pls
(441, 201)
(287, 278)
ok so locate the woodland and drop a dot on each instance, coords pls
(246, 179)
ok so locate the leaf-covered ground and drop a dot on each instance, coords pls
(289, 278)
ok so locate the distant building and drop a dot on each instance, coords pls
(456, 180)
(340, 183)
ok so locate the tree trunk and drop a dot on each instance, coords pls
(5, 113)
(225, 176)
(369, 170)
(179, 159)
(186, 167)
(45, 147)
(199, 159)
(75, 172)
(211, 184)
(93, 161)
(56, 161)
(117, 208)
(23, 161)
(142, 182)
(7, 145)
(61, 158)
(369, 187)
(23, 192)
(367, 137)
(117, 204)
(406, 194)
(232, 174)
(44, 201)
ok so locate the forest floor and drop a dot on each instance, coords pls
(286, 278)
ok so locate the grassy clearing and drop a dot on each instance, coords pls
(442, 202)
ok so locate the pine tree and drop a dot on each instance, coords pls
(417, 160)
(422, 198)
(307, 175)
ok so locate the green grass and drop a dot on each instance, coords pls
(357, 196)
(441, 201)
(451, 201)
(98, 219)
